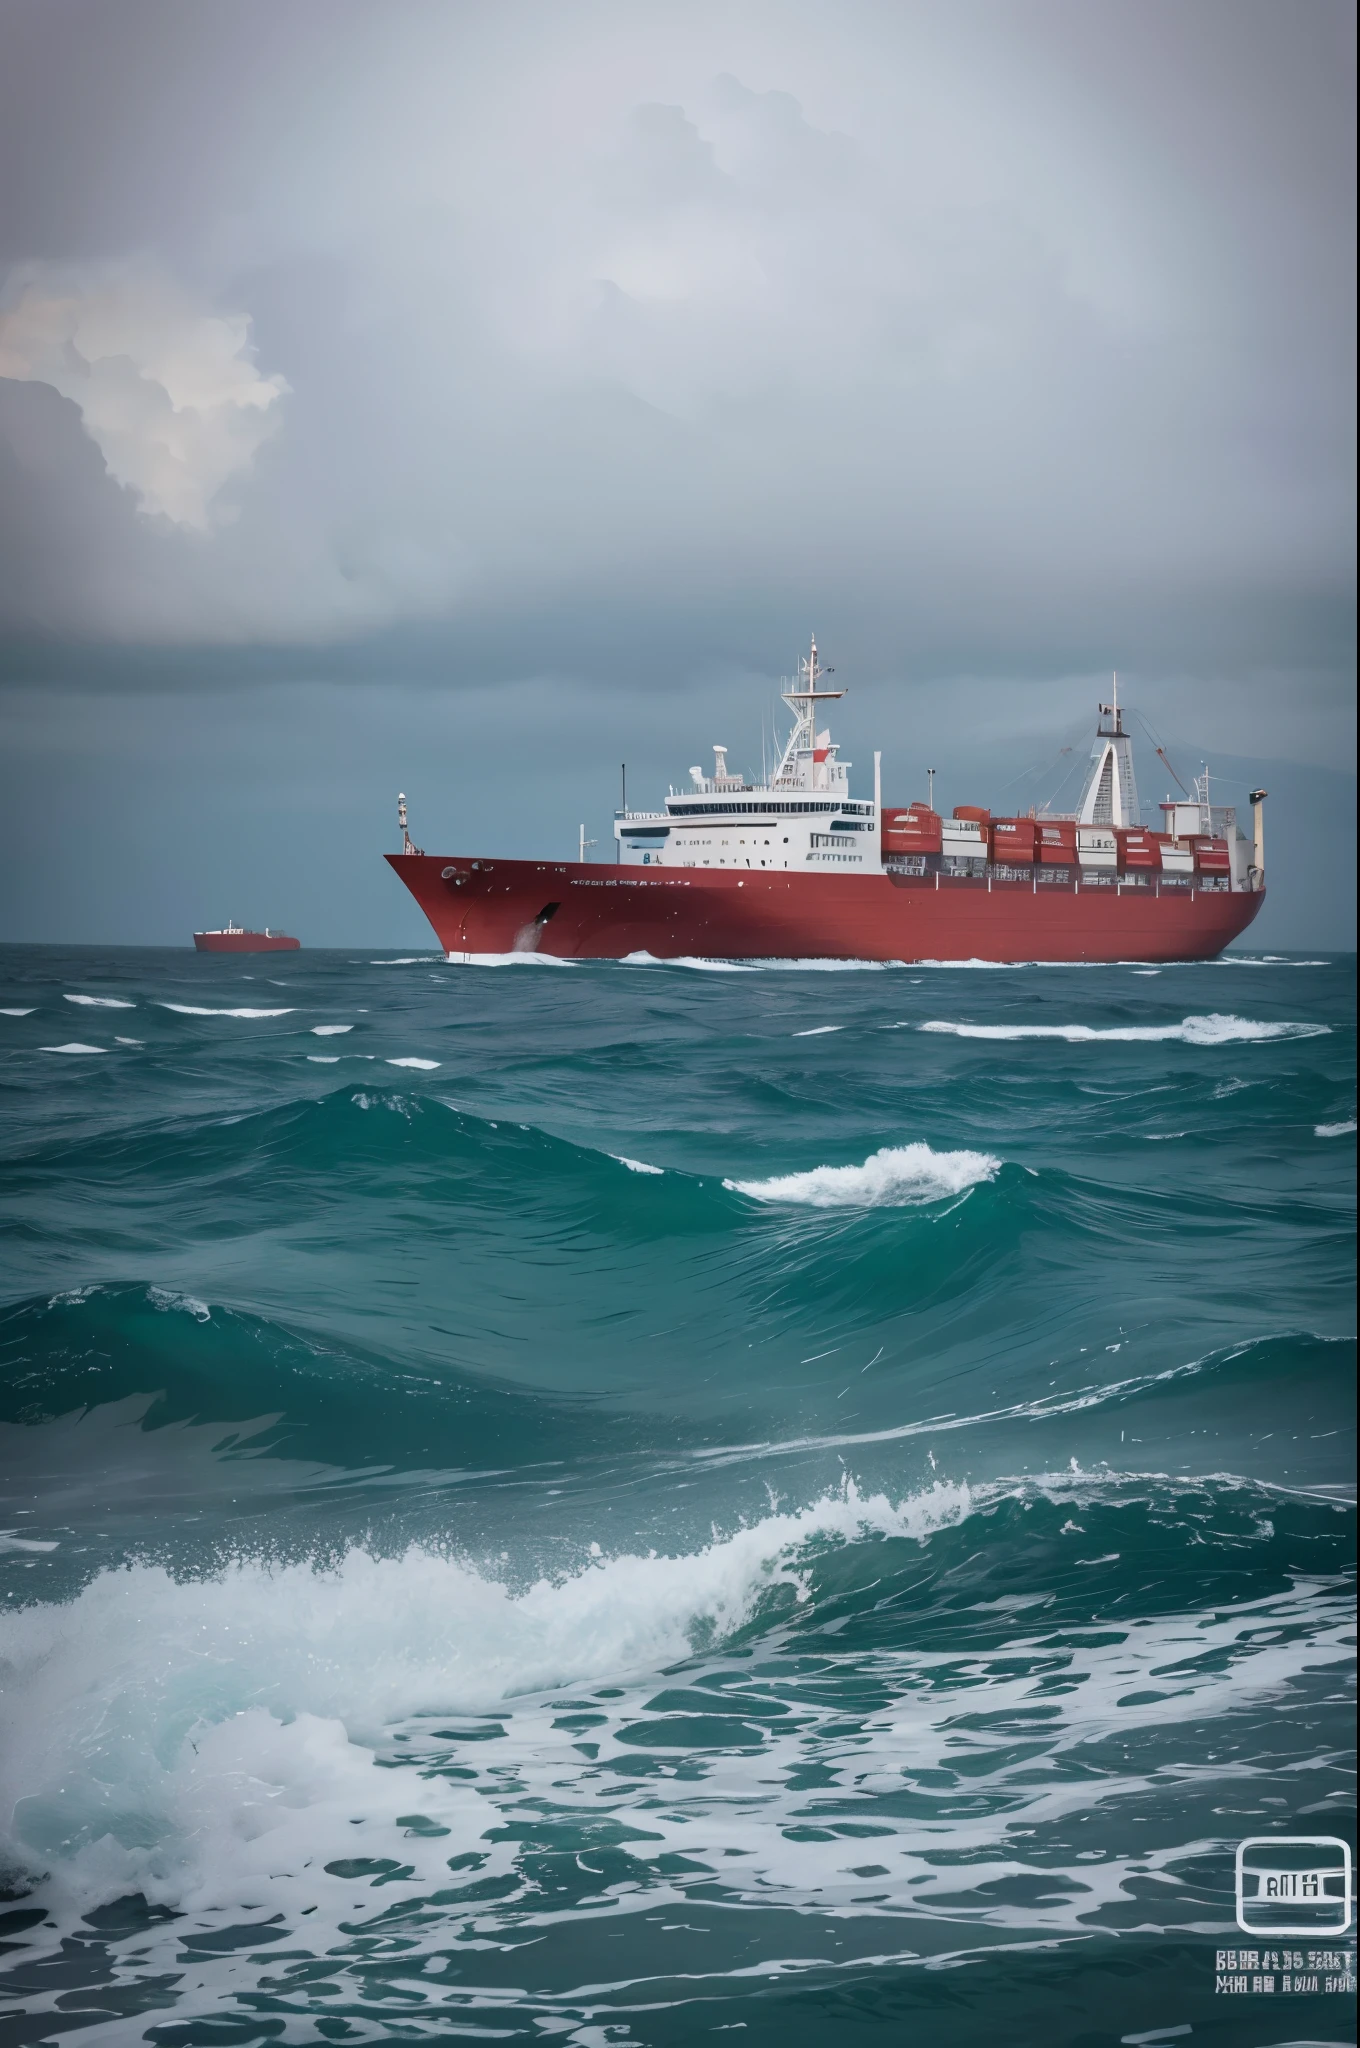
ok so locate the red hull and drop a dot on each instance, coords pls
(246, 942)
(603, 913)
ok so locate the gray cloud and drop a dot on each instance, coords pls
(425, 376)
(1017, 324)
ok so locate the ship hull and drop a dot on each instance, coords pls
(596, 912)
(245, 942)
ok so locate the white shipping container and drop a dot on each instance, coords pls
(1096, 847)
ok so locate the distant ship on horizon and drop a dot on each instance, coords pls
(794, 867)
(234, 938)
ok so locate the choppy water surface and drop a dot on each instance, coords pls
(626, 1503)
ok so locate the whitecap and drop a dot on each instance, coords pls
(330, 1030)
(74, 1046)
(819, 1031)
(525, 959)
(636, 1165)
(101, 1002)
(410, 960)
(757, 966)
(1345, 1130)
(896, 1176)
(323, 1059)
(165, 1298)
(294, 1671)
(129, 1041)
(426, 1066)
(1211, 1030)
(194, 1010)
(16, 1013)
(691, 961)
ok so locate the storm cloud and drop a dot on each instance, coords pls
(443, 344)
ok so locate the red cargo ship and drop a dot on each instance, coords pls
(795, 868)
(234, 939)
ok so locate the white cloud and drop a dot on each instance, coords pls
(168, 390)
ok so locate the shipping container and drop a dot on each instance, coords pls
(1138, 849)
(1014, 839)
(1177, 858)
(916, 830)
(1057, 841)
(1211, 856)
(1097, 846)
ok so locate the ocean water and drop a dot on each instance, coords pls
(633, 1503)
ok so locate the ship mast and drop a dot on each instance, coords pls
(802, 702)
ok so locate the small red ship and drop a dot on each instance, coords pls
(795, 868)
(233, 938)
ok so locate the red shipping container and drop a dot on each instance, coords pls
(1138, 849)
(974, 813)
(916, 830)
(1057, 841)
(1014, 839)
(1211, 856)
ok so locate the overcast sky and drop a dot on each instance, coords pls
(418, 372)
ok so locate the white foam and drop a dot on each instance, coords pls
(74, 1046)
(411, 960)
(819, 1031)
(330, 1030)
(1211, 1030)
(16, 1013)
(636, 1165)
(323, 1059)
(193, 1010)
(1334, 1130)
(169, 1298)
(897, 1176)
(426, 1066)
(129, 1041)
(750, 966)
(199, 1739)
(525, 959)
(691, 961)
(101, 1002)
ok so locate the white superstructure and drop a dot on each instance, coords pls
(804, 819)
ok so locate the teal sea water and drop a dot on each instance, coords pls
(633, 1504)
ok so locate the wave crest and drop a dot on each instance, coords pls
(1215, 1029)
(896, 1176)
(129, 1706)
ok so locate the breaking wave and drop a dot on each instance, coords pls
(195, 1010)
(896, 1176)
(141, 1711)
(1211, 1030)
